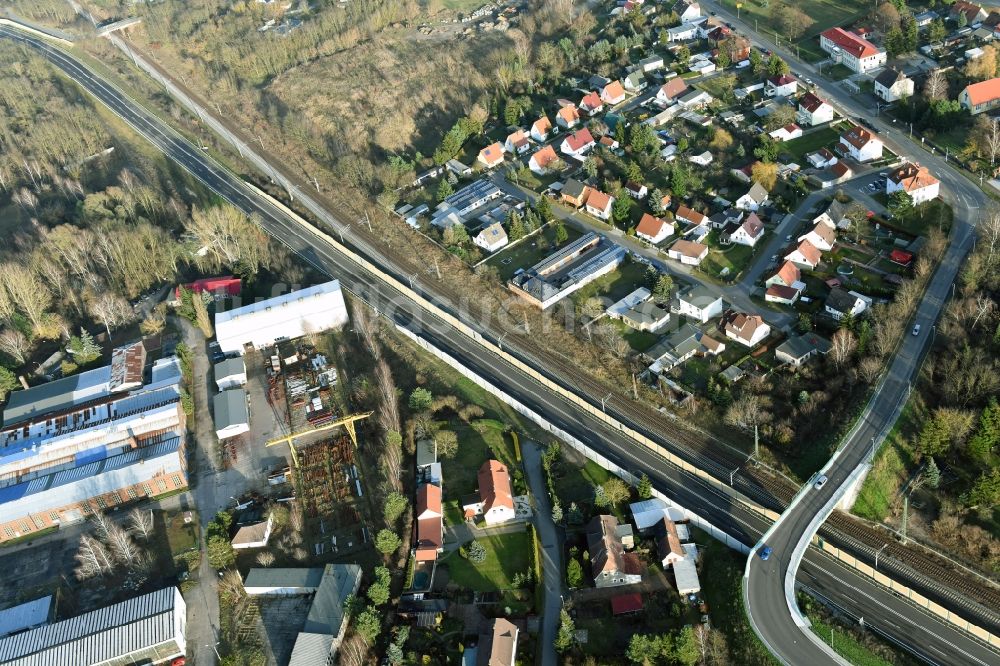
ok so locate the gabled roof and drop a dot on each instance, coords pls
(574, 189)
(809, 252)
(789, 273)
(757, 193)
(497, 643)
(569, 113)
(579, 139)
(518, 138)
(673, 87)
(889, 76)
(983, 92)
(428, 500)
(599, 200)
(613, 90)
(685, 213)
(841, 300)
(542, 126)
(811, 102)
(781, 291)
(913, 177)
(606, 551)
(689, 248)
(850, 42)
(626, 603)
(858, 137)
(826, 232)
(753, 226)
(668, 542)
(492, 154)
(545, 156)
(650, 225)
(781, 81)
(971, 10)
(743, 325)
(591, 101)
(494, 485)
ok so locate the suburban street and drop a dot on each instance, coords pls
(770, 585)
(894, 616)
(551, 540)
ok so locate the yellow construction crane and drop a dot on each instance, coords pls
(347, 421)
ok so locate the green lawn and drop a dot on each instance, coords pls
(825, 13)
(809, 143)
(506, 555)
(528, 252)
(837, 72)
(935, 213)
(476, 443)
(615, 285)
(735, 257)
(889, 472)
(845, 644)
(576, 484)
(638, 340)
(453, 512)
(182, 536)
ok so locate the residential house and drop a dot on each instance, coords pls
(833, 175)
(785, 85)
(613, 93)
(891, 85)
(924, 19)
(430, 527)
(653, 229)
(788, 275)
(647, 316)
(861, 144)
(786, 133)
(543, 159)
(541, 128)
(973, 13)
(637, 191)
(668, 542)
(574, 193)
(702, 159)
(674, 349)
(726, 218)
(748, 233)
(682, 33)
(688, 252)
(980, 97)
(635, 82)
(695, 99)
(491, 155)
(671, 90)
(840, 303)
(568, 117)
(710, 346)
(459, 169)
(690, 216)
(497, 644)
(609, 142)
(687, 10)
(747, 329)
(495, 502)
(852, 50)
(578, 143)
(779, 293)
(599, 204)
(517, 143)
(915, 180)
(492, 238)
(805, 256)
(822, 237)
(814, 110)
(591, 103)
(609, 562)
(699, 303)
(798, 349)
(755, 197)
(822, 158)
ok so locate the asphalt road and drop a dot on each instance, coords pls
(902, 620)
(769, 585)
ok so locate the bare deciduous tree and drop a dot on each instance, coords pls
(354, 651)
(747, 411)
(869, 368)
(15, 344)
(265, 559)
(111, 310)
(28, 294)
(936, 86)
(843, 344)
(140, 521)
(93, 558)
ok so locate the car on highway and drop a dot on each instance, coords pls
(764, 553)
(788, 238)
(916, 329)
(820, 482)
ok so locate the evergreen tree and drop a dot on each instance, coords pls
(561, 234)
(574, 573)
(645, 488)
(932, 475)
(444, 189)
(656, 201)
(544, 209)
(515, 230)
(987, 434)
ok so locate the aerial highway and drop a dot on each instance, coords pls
(770, 584)
(896, 617)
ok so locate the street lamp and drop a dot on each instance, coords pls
(215, 649)
(873, 450)
(877, 553)
(604, 401)
(732, 474)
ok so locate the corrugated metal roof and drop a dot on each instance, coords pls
(96, 637)
(25, 616)
(230, 408)
(312, 650)
(327, 611)
(299, 577)
(230, 367)
(59, 394)
(79, 483)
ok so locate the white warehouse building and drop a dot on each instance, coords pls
(289, 316)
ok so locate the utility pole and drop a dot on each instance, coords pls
(437, 268)
(635, 388)
(316, 183)
(527, 329)
(879, 552)
(906, 513)
(756, 443)
(604, 401)
(369, 221)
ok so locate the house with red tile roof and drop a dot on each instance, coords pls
(430, 527)
(517, 142)
(915, 180)
(599, 204)
(852, 50)
(980, 97)
(613, 93)
(786, 133)
(653, 229)
(568, 117)
(543, 159)
(805, 256)
(491, 155)
(671, 90)
(973, 13)
(691, 216)
(785, 85)
(813, 110)
(541, 128)
(861, 144)
(779, 293)
(788, 275)
(495, 502)
(747, 329)
(578, 143)
(591, 103)
(688, 252)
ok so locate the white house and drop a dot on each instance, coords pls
(568, 117)
(230, 373)
(695, 99)
(495, 502)
(822, 237)
(748, 233)
(699, 303)
(891, 85)
(814, 111)
(841, 303)
(653, 229)
(755, 197)
(635, 82)
(915, 180)
(651, 63)
(702, 159)
(747, 329)
(682, 32)
(591, 103)
(861, 144)
(543, 159)
(670, 91)
(491, 156)
(231, 413)
(637, 191)
(687, 10)
(822, 159)
(805, 256)
(517, 142)
(786, 133)
(688, 252)
(785, 85)
(541, 128)
(853, 51)
(613, 93)
(599, 204)
(492, 238)
(578, 143)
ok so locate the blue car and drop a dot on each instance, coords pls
(764, 553)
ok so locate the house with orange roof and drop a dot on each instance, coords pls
(747, 329)
(613, 93)
(591, 103)
(915, 180)
(517, 142)
(578, 143)
(814, 110)
(788, 275)
(610, 564)
(495, 501)
(671, 90)
(541, 128)
(653, 229)
(691, 216)
(430, 527)
(980, 97)
(852, 50)
(568, 117)
(491, 155)
(688, 252)
(861, 144)
(543, 159)
(822, 237)
(805, 256)
(599, 204)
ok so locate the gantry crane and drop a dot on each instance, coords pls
(347, 421)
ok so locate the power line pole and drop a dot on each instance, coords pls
(906, 513)
(756, 443)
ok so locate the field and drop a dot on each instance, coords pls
(476, 444)
(506, 555)
(528, 252)
(811, 142)
(882, 484)
(825, 13)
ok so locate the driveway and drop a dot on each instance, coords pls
(551, 540)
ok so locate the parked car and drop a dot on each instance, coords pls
(916, 329)
(820, 482)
